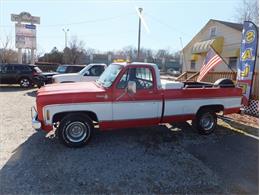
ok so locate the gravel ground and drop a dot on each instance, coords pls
(160, 159)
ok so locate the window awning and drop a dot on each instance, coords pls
(203, 46)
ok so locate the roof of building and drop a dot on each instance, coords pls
(236, 26)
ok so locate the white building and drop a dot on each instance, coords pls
(224, 37)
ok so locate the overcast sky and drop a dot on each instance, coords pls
(109, 25)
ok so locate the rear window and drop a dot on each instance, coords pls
(61, 69)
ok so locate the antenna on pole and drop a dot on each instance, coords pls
(141, 21)
(139, 32)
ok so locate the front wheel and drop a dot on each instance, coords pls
(205, 122)
(75, 130)
(25, 82)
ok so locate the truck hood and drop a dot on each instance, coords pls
(70, 88)
(66, 75)
(49, 73)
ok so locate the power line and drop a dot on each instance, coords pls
(81, 22)
(167, 25)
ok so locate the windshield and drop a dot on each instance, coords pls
(83, 70)
(109, 75)
(61, 69)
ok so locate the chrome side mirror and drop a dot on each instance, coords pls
(131, 87)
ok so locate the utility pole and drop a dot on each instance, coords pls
(139, 34)
(65, 32)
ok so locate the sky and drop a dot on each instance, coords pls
(112, 25)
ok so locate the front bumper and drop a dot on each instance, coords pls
(35, 123)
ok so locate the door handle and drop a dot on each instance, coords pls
(102, 96)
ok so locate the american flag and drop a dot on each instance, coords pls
(212, 59)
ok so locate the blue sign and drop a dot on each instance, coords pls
(247, 59)
(30, 26)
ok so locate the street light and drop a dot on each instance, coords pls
(139, 33)
(65, 31)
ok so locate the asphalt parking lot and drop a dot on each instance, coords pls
(160, 159)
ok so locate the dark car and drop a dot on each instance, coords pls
(23, 74)
(62, 69)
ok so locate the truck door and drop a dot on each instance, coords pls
(93, 73)
(141, 108)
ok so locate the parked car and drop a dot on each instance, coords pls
(131, 95)
(23, 74)
(62, 69)
(66, 68)
(173, 72)
(90, 73)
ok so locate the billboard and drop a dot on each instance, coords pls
(25, 36)
(247, 61)
(25, 17)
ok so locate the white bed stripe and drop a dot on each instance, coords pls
(108, 111)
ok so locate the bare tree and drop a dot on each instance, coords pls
(7, 55)
(248, 10)
(75, 53)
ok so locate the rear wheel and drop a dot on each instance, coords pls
(75, 130)
(25, 82)
(205, 122)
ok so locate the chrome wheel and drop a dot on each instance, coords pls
(76, 131)
(207, 121)
(24, 82)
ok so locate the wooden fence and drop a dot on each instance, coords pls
(213, 76)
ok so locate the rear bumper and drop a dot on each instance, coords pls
(35, 123)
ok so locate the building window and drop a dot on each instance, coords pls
(213, 32)
(192, 64)
(233, 62)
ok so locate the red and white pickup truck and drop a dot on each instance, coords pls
(130, 95)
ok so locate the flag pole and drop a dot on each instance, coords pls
(222, 59)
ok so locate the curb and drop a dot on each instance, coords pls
(241, 126)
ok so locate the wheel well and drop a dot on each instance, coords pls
(58, 117)
(24, 77)
(67, 82)
(215, 108)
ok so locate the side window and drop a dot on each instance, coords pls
(69, 69)
(7, 69)
(213, 32)
(192, 64)
(95, 71)
(144, 78)
(77, 69)
(233, 62)
(20, 68)
(141, 76)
